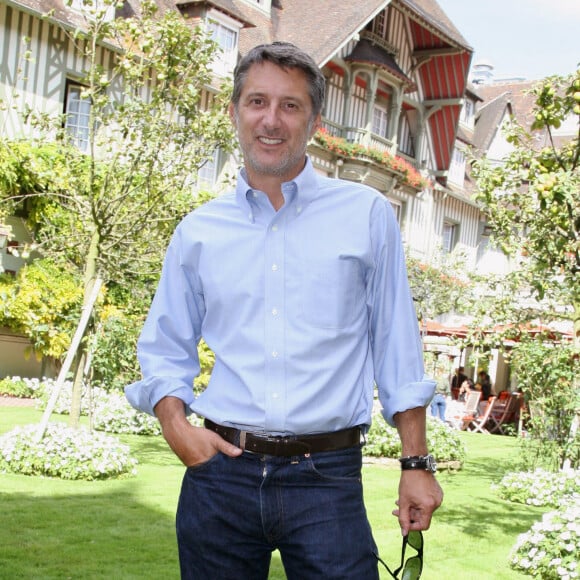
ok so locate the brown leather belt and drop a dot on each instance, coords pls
(287, 446)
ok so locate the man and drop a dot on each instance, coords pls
(298, 284)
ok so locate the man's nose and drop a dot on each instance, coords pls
(272, 116)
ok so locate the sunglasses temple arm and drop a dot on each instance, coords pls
(385, 565)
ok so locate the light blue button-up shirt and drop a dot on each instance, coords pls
(305, 309)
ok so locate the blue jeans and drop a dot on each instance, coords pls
(438, 406)
(233, 512)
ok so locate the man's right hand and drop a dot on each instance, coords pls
(193, 445)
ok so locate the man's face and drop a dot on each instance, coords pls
(274, 121)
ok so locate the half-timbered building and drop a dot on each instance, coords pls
(395, 107)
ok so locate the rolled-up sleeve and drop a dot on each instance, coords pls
(167, 346)
(395, 338)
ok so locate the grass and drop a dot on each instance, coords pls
(125, 528)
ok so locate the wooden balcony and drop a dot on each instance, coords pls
(366, 138)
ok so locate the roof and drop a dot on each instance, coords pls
(489, 117)
(432, 14)
(289, 23)
(443, 72)
(521, 105)
(522, 102)
(323, 27)
(228, 7)
(367, 52)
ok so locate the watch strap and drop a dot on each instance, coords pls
(424, 462)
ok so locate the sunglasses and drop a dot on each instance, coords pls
(411, 568)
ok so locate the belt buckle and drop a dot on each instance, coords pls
(243, 440)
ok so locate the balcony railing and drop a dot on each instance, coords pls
(366, 138)
(356, 152)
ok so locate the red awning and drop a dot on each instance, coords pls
(437, 329)
(433, 328)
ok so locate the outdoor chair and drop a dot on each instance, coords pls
(461, 419)
(478, 424)
(507, 414)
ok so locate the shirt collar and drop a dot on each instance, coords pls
(304, 187)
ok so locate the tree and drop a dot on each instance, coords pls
(439, 288)
(532, 202)
(110, 211)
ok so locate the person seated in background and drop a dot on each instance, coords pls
(457, 381)
(484, 381)
(466, 387)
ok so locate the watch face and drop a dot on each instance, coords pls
(426, 462)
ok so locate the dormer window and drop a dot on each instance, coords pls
(225, 32)
(468, 113)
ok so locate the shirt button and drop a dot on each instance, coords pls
(274, 267)
(275, 354)
(298, 209)
(255, 193)
(275, 395)
(274, 312)
(274, 228)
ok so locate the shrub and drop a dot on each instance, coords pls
(91, 397)
(19, 387)
(540, 487)
(551, 548)
(65, 453)
(113, 414)
(443, 441)
(548, 376)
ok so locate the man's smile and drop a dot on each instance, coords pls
(270, 141)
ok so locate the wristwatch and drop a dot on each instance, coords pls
(426, 462)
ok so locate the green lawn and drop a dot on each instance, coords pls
(125, 529)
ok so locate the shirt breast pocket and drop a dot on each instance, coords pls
(332, 292)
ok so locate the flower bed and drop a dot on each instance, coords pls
(65, 453)
(551, 548)
(443, 442)
(540, 487)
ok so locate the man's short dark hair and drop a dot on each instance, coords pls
(288, 56)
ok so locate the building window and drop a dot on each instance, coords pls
(380, 121)
(457, 167)
(207, 175)
(93, 8)
(449, 238)
(398, 209)
(227, 40)
(77, 115)
(467, 113)
(380, 22)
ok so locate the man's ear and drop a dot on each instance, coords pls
(232, 113)
(316, 125)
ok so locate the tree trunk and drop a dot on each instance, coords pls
(576, 420)
(79, 365)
